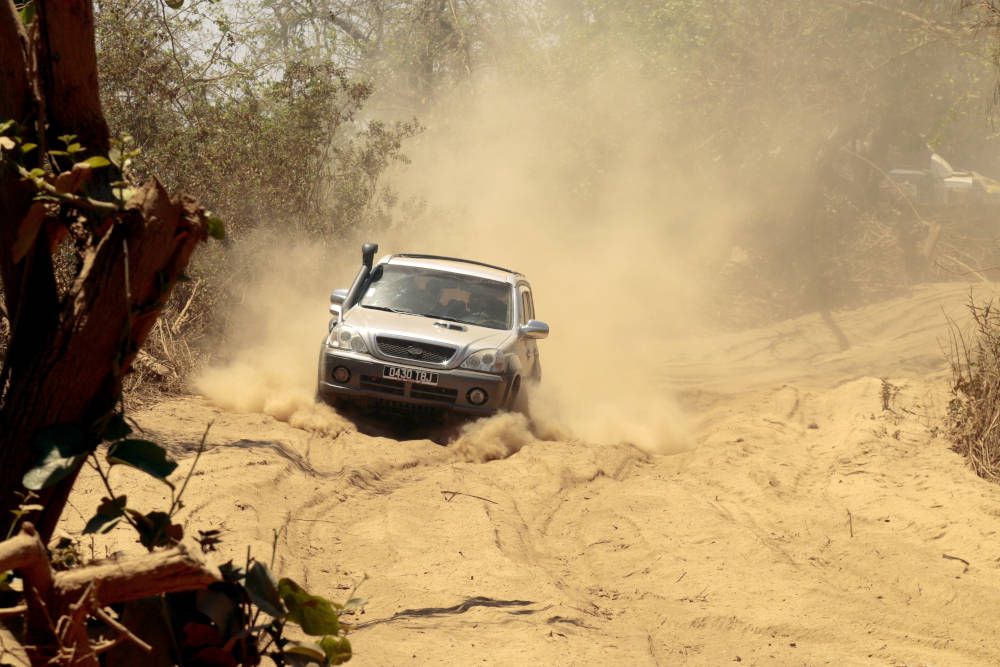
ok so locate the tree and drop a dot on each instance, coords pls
(86, 260)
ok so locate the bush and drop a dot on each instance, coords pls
(974, 410)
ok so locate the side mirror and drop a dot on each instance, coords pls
(534, 329)
(337, 299)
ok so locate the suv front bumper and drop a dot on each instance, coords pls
(367, 383)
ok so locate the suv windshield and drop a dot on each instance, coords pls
(439, 294)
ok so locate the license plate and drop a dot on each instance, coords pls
(409, 375)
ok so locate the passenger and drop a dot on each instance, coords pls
(488, 308)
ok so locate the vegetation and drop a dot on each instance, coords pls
(974, 411)
(170, 604)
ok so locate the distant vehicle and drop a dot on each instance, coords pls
(429, 334)
(940, 186)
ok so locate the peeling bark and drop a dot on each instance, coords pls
(68, 352)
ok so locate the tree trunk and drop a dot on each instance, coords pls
(68, 352)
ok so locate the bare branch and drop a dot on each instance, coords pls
(169, 571)
(352, 30)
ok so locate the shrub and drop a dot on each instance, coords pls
(974, 410)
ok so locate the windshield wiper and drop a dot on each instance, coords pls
(390, 309)
(445, 318)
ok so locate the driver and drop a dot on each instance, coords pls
(417, 299)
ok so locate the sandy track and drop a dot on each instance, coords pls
(808, 525)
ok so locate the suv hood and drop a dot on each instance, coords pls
(370, 322)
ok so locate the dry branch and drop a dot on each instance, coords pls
(169, 571)
(70, 597)
(26, 554)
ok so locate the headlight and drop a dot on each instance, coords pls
(346, 338)
(488, 361)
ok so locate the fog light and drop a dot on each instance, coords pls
(477, 396)
(341, 374)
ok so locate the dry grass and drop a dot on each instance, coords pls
(974, 411)
(171, 351)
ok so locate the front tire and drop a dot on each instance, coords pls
(517, 401)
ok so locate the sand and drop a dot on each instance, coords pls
(807, 525)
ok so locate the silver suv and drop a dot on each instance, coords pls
(422, 333)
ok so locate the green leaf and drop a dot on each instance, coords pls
(6, 125)
(143, 455)
(263, 591)
(174, 4)
(37, 172)
(97, 161)
(310, 650)
(27, 12)
(75, 148)
(58, 153)
(28, 147)
(109, 513)
(67, 139)
(59, 450)
(216, 228)
(316, 615)
(7, 144)
(336, 649)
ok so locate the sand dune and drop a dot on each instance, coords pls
(807, 525)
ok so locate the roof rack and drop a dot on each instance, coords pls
(457, 259)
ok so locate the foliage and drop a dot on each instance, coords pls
(234, 622)
(974, 410)
(268, 138)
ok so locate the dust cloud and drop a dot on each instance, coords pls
(494, 438)
(569, 183)
(616, 262)
(614, 254)
(268, 363)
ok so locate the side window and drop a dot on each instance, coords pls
(525, 306)
(531, 305)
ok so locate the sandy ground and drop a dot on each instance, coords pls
(807, 526)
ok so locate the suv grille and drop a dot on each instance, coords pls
(408, 349)
(383, 385)
(439, 394)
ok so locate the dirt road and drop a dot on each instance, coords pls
(809, 525)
